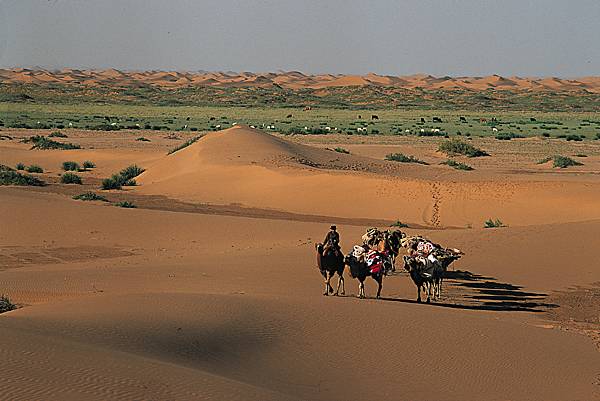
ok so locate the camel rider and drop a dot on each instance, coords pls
(332, 241)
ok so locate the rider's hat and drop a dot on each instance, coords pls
(333, 227)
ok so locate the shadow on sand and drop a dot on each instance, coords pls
(466, 290)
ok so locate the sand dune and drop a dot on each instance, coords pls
(255, 169)
(295, 80)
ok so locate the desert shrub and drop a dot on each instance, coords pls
(124, 178)
(580, 155)
(125, 204)
(457, 165)
(342, 150)
(597, 136)
(402, 158)
(458, 147)
(11, 177)
(142, 139)
(185, 144)
(88, 164)
(4, 167)
(575, 138)
(6, 305)
(43, 143)
(20, 166)
(546, 135)
(398, 224)
(90, 196)
(564, 162)
(57, 134)
(130, 172)
(34, 168)
(493, 223)
(71, 166)
(431, 133)
(70, 178)
(508, 136)
(114, 182)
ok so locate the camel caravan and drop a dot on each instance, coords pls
(426, 262)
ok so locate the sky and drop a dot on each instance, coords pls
(395, 37)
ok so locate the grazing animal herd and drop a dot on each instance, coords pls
(425, 262)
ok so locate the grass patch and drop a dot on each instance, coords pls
(342, 150)
(580, 155)
(402, 158)
(185, 144)
(10, 177)
(576, 138)
(493, 223)
(126, 204)
(458, 147)
(142, 139)
(88, 164)
(34, 168)
(43, 143)
(457, 165)
(20, 166)
(70, 178)
(6, 305)
(90, 196)
(57, 134)
(71, 166)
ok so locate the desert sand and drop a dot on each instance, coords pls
(209, 289)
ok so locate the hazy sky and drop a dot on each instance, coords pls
(445, 37)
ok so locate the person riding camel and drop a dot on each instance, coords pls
(332, 241)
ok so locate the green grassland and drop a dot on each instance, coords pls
(508, 124)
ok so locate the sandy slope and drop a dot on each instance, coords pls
(238, 315)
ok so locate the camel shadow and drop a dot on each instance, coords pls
(466, 290)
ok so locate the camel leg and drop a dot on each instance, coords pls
(340, 284)
(419, 293)
(380, 283)
(361, 289)
(429, 293)
(326, 286)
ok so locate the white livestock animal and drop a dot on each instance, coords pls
(218, 126)
(494, 129)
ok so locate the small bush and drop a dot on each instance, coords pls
(185, 144)
(114, 182)
(71, 166)
(142, 139)
(70, 178)
(458, 147)
(580, 155)
(57, 134)
(130, 172)
(402, 158)
(43, 143)
(90, 196)
(597, 136)
(458, 165)
(125, 204)
(493, 224)
(20, 166)
(575, 138)
(544, 160)
(546, 135)
(6, 305)
(508, 136)
(398, 224)
(11, 177)
(88, 164)
(564, 162)
(34, 168)
(342, 150)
